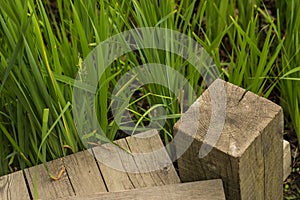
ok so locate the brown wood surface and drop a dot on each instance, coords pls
(132, 167)
(151, 157)
(45, 186)
(287, 159)
(247, 155)
(13, 187)
(203, 190)
(83, 173)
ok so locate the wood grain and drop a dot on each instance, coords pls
(152, 158)
(83, 173)
(138, 166)
(203, 190)
(248, 153)
(287, 159)
(45, 186)
(109, 159)
(145, 163)
(13, 187)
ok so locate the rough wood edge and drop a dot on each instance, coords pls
(204, 190)
(287, 159)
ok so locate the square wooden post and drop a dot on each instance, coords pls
(248, 153)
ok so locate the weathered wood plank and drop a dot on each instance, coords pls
(204, 190)
(111, 167)
(287, 159)
(13, 187)
(46, 187)
(139, 167)
(83, 173)
(247, 155)
(151, 157)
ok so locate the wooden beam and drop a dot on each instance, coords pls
(248, 153)
(204, 190)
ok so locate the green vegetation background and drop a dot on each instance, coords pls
(255, 44)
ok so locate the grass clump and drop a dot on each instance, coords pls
(43, 44)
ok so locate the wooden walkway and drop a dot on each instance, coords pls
(81, 174)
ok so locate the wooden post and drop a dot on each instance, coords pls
(248, 153)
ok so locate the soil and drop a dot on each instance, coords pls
(291, 185)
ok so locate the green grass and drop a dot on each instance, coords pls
(289, 84)
(41, 53)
